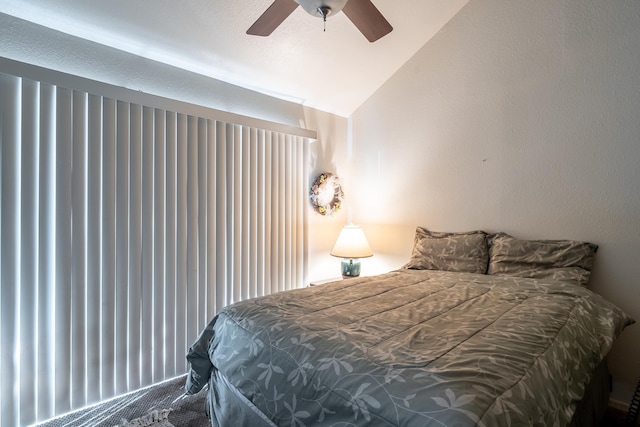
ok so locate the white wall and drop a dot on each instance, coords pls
(328, 154)
(519, 116)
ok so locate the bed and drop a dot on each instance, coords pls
(476, 329)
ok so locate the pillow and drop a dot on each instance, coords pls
(462, 252)
(564, 260)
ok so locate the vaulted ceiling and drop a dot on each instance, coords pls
(334, 70)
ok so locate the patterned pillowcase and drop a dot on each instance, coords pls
(462, 252)
(563, 260)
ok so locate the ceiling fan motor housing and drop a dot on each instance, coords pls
(315, 7)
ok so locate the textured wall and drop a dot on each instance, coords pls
(522, 117)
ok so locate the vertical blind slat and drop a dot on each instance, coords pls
(46, 255)
(181, 244)
(159, 283)
(28, 247)
(170, 249)
(63, 253)
(303, 170)
(124, 230)
(252, 171)
(231, 185)
(94, 243)
(109, 244)
(276, 247)
(192, 231)
(260, 212)
(245, 214)
(78, 250)
(147, 302)
(221, 215)
(288, 234)
(135, 247)
(10, 96)
(203, 205)
(236, 239)
(212, 294)
(268, 208)
(121, 349)
(295, 200)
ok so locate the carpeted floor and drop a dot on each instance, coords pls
(187, 411)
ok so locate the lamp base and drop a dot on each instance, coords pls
(350, 268)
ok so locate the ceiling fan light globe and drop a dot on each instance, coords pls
(315, 7)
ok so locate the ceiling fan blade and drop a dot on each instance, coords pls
(367, 18)
(272, 17)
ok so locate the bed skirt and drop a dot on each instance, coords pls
(591, 409)
(226, 404)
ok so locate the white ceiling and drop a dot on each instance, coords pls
(334, 71)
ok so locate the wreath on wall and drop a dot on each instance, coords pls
(326, 194)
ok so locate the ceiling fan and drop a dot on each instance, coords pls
(364, 15)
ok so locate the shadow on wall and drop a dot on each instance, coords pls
(323, 152)
(327, 154)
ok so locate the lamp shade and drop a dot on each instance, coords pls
(351, 243)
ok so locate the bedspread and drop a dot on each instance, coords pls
(412, 347)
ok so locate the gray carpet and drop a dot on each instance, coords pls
(188, 411)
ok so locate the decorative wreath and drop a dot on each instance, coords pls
(326, 194)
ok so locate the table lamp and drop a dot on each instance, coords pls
(351, 245)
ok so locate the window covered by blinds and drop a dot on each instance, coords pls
(124, 229)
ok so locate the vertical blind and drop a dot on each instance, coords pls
(124, 229)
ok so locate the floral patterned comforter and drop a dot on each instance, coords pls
(412, 348)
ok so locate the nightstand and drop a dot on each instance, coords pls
(323, 281)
